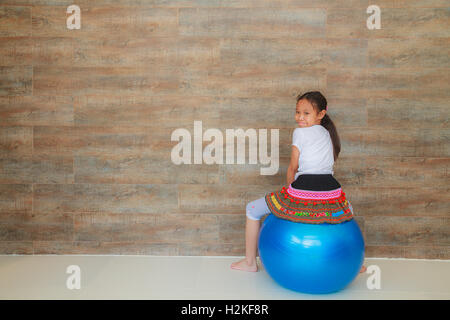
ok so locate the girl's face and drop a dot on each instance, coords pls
(306, 116)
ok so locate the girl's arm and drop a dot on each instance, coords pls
(293, 166)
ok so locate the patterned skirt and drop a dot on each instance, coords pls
(311, 198)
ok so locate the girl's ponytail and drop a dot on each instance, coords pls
(329, 125)
(319, 102)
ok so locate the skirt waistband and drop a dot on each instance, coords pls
(315, 195)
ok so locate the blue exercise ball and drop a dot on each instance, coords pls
(311, 258)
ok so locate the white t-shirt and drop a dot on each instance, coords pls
(316, 150)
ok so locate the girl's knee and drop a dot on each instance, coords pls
(252, 211)
(249, 211)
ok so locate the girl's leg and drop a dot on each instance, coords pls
(255, 210)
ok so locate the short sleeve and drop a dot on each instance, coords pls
(296, 138)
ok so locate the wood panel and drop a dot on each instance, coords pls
(86, 118)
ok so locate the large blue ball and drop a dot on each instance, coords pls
(311, 258)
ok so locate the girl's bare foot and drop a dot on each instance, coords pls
(245, 266)
(363, 269)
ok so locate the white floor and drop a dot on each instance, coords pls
(192, 278)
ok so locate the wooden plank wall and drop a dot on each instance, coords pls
(86, 118)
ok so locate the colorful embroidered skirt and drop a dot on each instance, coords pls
(311, 198)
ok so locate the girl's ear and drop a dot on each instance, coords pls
(322, 113)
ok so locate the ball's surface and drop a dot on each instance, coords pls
(311, 258)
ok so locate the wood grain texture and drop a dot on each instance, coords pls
(86, 118)
(15, 21)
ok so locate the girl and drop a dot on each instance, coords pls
(315, 147)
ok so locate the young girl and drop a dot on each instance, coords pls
(315, 147)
